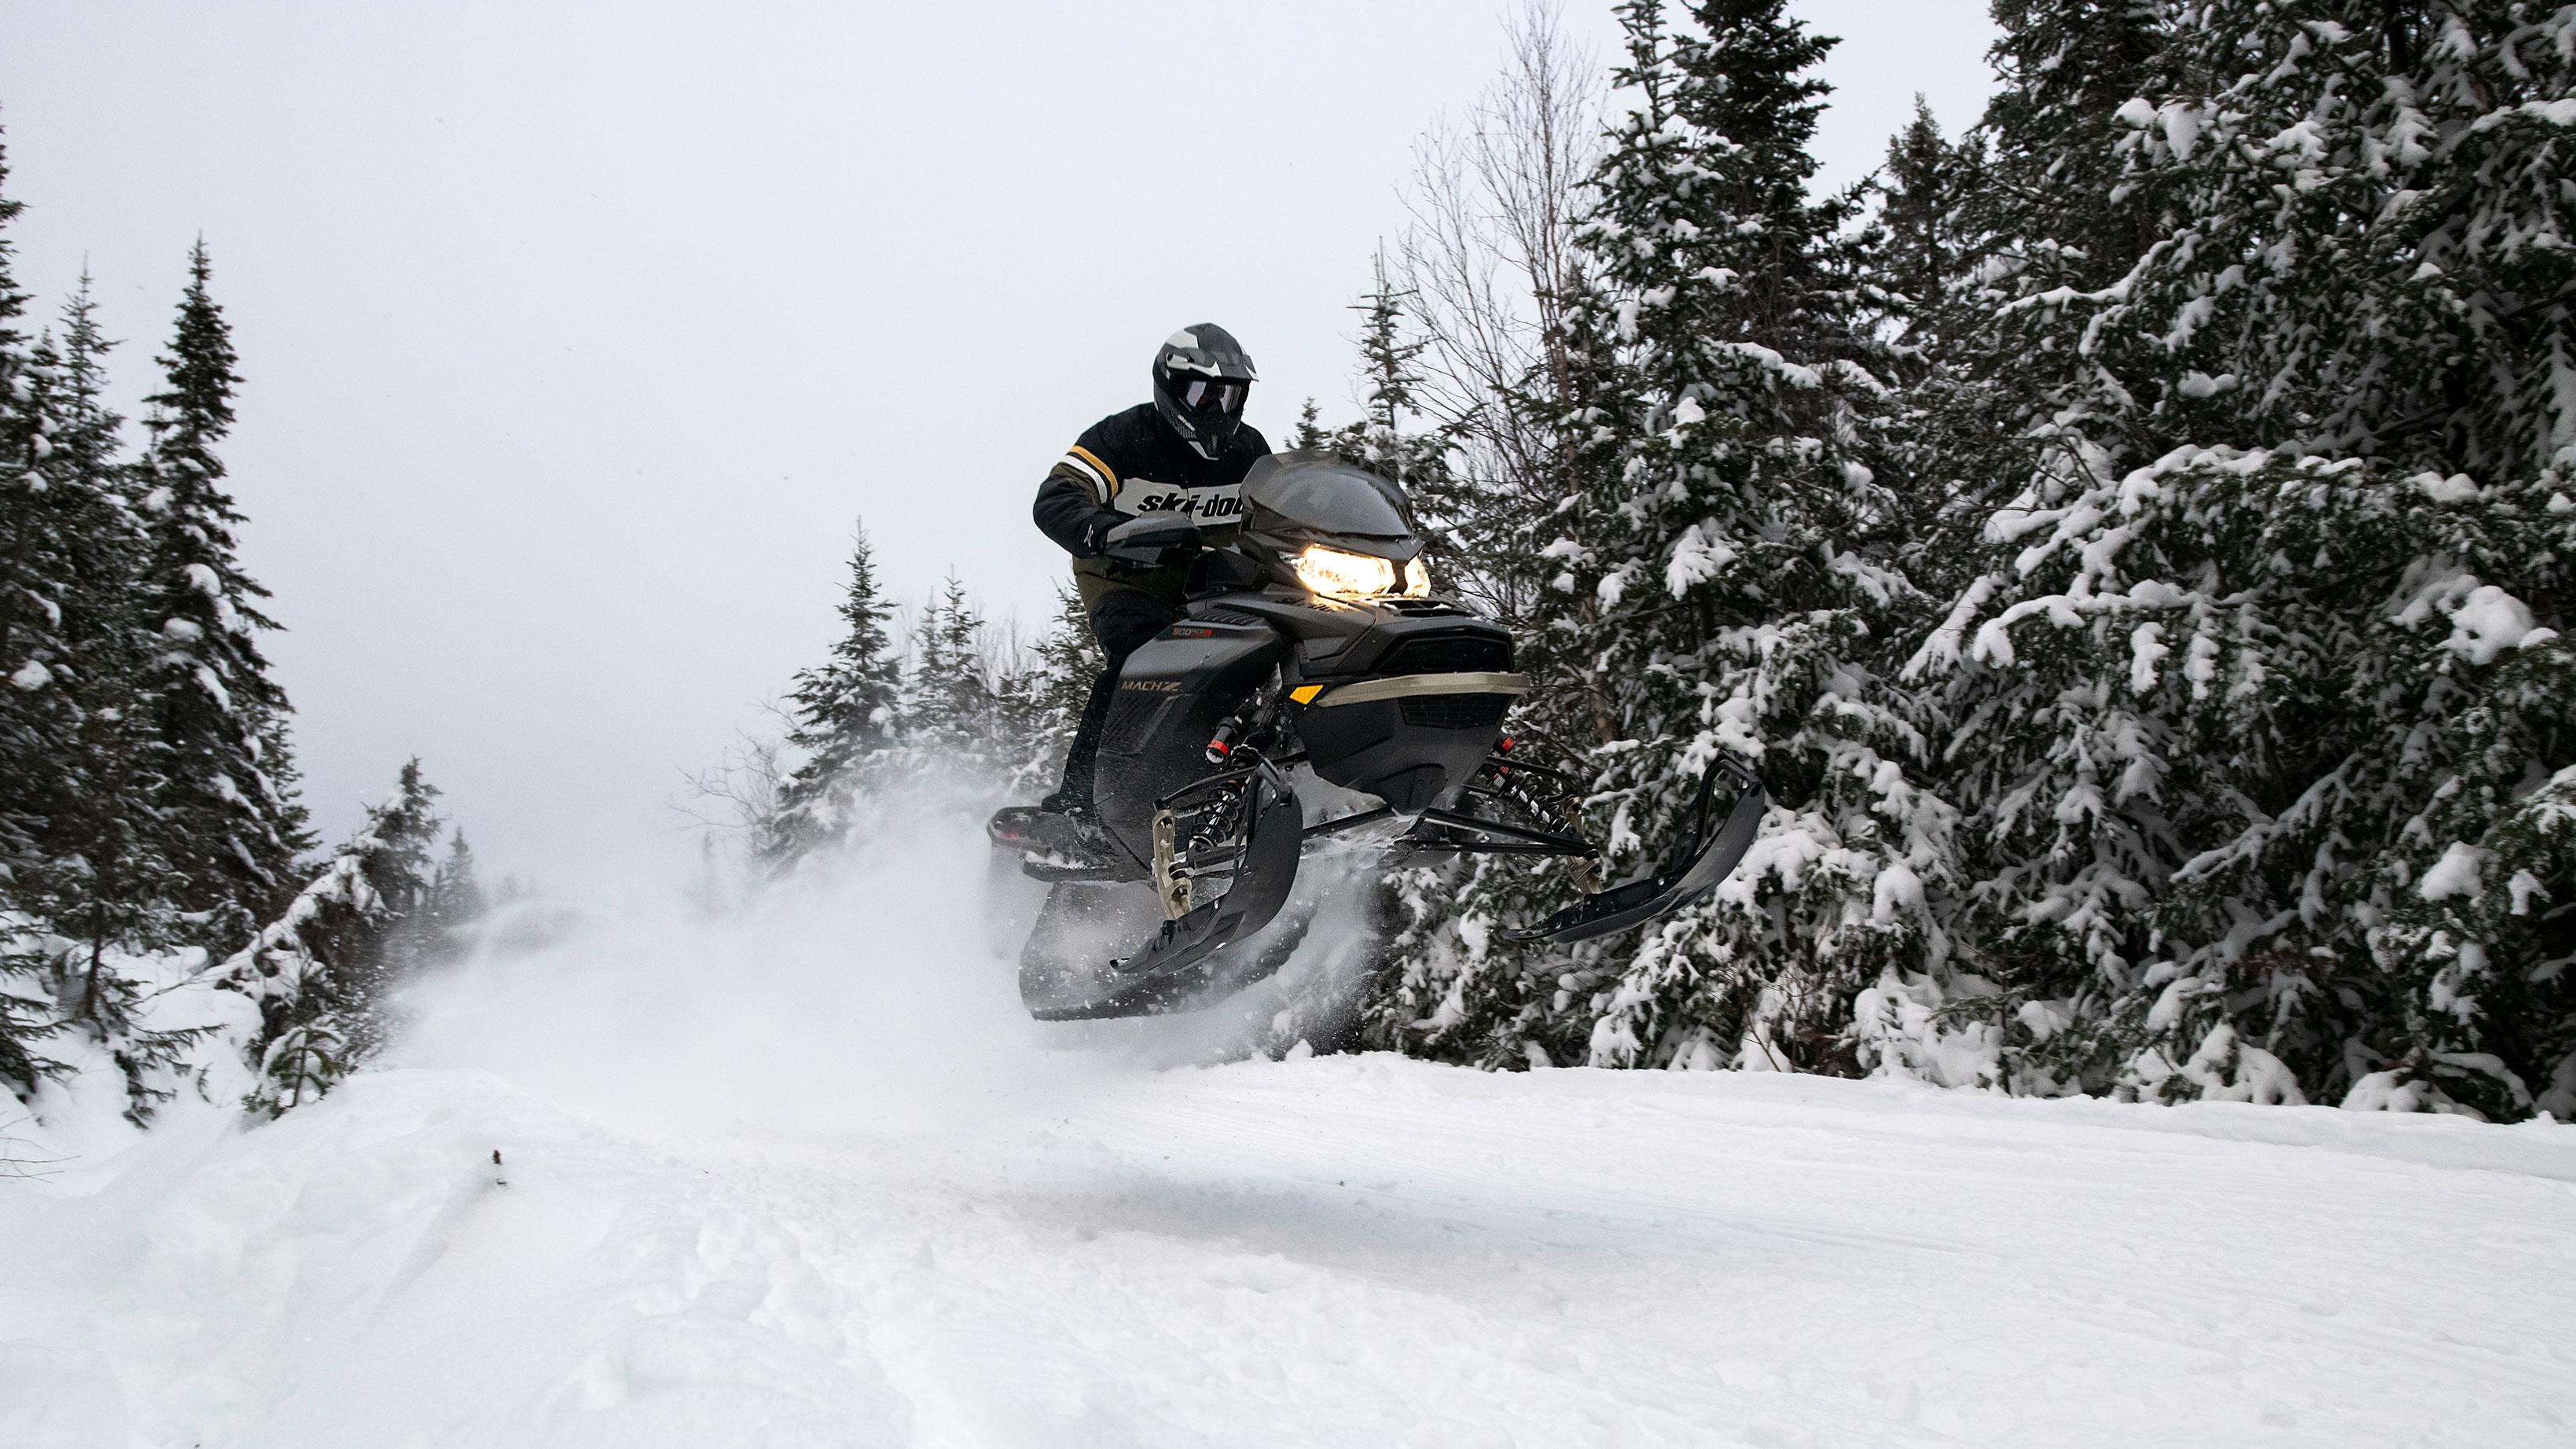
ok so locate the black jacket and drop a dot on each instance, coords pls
(1129, 464)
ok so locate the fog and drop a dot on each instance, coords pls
(576, 337)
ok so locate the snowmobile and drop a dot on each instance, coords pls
(1314, 695)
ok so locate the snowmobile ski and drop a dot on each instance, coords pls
(1711, 854)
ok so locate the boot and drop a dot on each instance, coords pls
(1057, 827)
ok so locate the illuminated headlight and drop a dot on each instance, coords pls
(1417, 579)
(1344, 575)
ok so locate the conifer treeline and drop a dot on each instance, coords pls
(957, 700)
(148, 806)
(2129, 541)
(2133, 560)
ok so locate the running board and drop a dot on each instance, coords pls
(1709, 857)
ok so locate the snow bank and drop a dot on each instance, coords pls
(1343, 1251)
(76, 1134)
(808, 1178)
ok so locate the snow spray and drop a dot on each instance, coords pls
(857, 997)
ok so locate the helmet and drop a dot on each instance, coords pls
(1200, 379)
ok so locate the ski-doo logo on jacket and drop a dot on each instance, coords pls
(1202, 505)
(1200, 502)
(1131, 464)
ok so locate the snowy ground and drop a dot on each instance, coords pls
(795, 1183)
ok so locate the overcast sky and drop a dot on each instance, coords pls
(576, 336)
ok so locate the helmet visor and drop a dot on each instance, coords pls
(1210, 397)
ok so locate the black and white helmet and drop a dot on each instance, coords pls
(1200, 380)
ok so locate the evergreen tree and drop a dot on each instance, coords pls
(1044, 705)
(953, 706)
(2267, 735)
(2043, 215)
(1388, 358)
(2051, 213)
(1708, 597)
(229, 823)
(77, 862)
(37, 575)
(35, 715)
(1415, 461)
(85, 433)
(323, 972)
(1954, 432)
(439, 929)
(2368, 246)
(1310, 431)
(456, 899)
(846, 717)
(1455, 524)
(1923, 243)
(101, 879)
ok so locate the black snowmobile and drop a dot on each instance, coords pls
(1314, 695)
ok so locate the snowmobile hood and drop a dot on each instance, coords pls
(1310, 495)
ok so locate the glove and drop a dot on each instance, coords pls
(1157, 540)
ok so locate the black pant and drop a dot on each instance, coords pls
(1123, 621)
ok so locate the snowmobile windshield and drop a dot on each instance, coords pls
(1310, 494)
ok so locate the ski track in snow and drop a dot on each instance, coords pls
(751, 1195)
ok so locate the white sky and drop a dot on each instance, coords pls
(576, 336)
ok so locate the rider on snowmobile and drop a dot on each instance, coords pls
(1172, 467)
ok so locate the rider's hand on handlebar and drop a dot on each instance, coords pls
(1157, 540)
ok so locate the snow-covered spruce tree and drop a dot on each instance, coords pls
(227, 821)
(1924, 191)
(2048, 212)
(845, 712)
(1473, 545)
(442, 926)
(1952, 431)
(89, 883)
(2045, 216)
(1043, 706)
(37, 716)
(1713, 594)
(456, 898)
(30, 716)
(953, 713)
(2237, 727)
(2033, 220)
(1310, 431)
(2263, 714)
(1387, 439)
(2370, 246)
(101, 881)
(323, 971)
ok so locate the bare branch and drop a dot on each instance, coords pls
(1489, 260)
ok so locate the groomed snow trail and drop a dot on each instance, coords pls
(753, 1195)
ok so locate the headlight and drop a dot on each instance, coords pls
(1344, 575)
(1417, 579)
